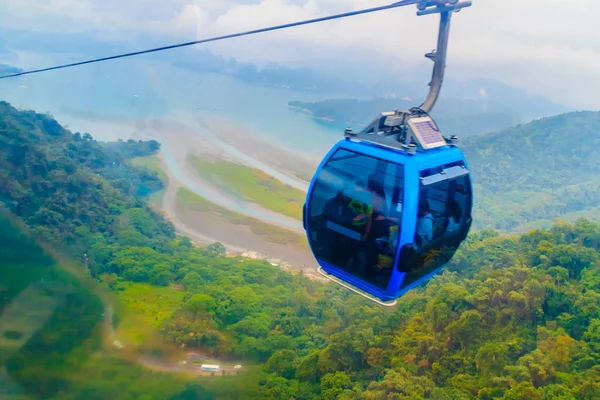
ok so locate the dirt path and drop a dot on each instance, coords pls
(185, 366)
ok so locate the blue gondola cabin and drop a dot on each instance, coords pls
(386, 217)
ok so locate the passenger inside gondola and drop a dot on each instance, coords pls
(380, 244)
(339, 210)
(381, 217)
(453, 215)
(425, 224)
(355, 213)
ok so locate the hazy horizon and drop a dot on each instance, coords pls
(542, 47)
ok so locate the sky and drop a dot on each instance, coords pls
(549, 47)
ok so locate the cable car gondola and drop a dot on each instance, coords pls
(389, 206)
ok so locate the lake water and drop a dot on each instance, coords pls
(130, 88)
(85, 98)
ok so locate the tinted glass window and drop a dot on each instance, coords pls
(355, 213)
(442, 220)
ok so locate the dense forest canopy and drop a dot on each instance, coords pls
(510, 318)
(537, 171)
(66, 185)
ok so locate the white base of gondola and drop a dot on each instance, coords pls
(357, 291)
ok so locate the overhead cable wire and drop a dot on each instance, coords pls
(218, 38)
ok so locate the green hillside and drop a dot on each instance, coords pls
(50, 334)
(529, 174)
(73, 191)
(510, 318)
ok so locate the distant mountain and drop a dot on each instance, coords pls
(464, 109)
(273, 74)
(9, 69)
(529, 174)
(193, 59)
(494, 96)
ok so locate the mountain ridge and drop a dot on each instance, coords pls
(464, 108)
(536, 171)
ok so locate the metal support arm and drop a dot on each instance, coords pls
(439, 59)
(445, 9)
(391, 128)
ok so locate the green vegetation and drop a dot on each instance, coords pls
(530, 174)
(234, 387)
(154, 164)
(63, 359)
(510, 317)
(39, 301)
(81, 198)
(13, 335)
(189, 203)
(253, 185)
(106, 377)
(145, 308)
(74, 192)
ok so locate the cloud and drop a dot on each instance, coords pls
(548, 46)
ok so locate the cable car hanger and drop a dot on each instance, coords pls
(393, 129)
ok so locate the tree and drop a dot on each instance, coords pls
(332, 385)
(193, 391)
(283, 363)
(253, 325)
(400, 384)
(201, 304)
(592, 337)
(217, 248)
(466, 329)
(491, 358)
(192, 281)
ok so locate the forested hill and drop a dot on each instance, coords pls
(69, 186)
(532, 173)
(510, 318)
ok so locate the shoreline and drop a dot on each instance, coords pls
(312, 114)
(289, 256)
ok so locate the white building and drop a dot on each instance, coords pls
(208, 367)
